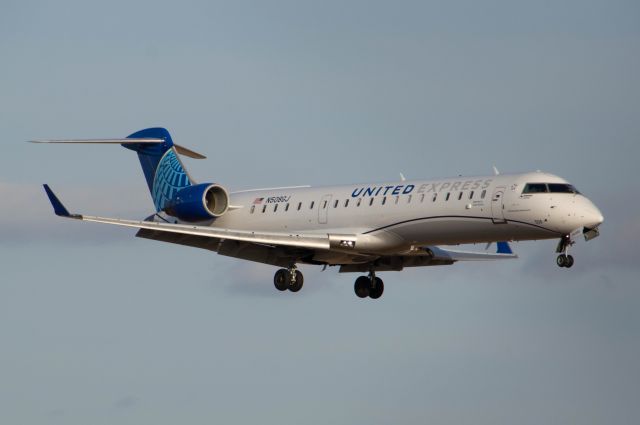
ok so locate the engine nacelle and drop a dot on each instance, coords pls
(199, 202)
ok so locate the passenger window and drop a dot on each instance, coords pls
(264, 208)
(459, 196)
(435, 196)
(299, 205)
(471, 195)
(253, 208)
(346, 203)
(371, 201)
(286, 208)
(422, 198)
(359, 202)
(384, 200)
(311, 206)
(275, 208)
(335, 204)
(447, 197)
(324, 205)
(397, 199)
(483, 194)
(409, 199)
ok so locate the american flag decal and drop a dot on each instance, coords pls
(258, 201)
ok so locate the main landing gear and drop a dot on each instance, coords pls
(369, 286)
(290, 279)
(564, 259)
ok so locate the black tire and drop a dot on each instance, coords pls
(281, 280)
(376, 291)
(362, 286)
(561, 261)
(295, 287)
(569, 261)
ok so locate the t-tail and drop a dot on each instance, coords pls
(164, 172)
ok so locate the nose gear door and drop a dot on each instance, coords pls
(497, 205)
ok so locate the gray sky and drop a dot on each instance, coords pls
(100, 327)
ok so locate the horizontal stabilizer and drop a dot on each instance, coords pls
(102, 141)
(128, 141)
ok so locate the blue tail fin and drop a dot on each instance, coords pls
(162, 168)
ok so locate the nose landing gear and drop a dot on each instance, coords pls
(564, 259)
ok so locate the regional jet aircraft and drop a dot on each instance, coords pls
(362, 228)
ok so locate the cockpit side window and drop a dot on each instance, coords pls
(535, 188)
(561, 188)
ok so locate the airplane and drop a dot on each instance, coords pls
(361, 228)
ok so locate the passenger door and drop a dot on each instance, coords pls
(497, 205)
(323, 209)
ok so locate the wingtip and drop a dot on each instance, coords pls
(58, 208)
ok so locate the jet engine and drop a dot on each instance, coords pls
(204, 201)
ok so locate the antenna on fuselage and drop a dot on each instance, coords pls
(495, 171)
(402, 177)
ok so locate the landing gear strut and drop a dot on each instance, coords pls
(369, 286)
(290, 279)
(564, 259)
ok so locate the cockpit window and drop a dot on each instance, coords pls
(535, 188)
(561, 188)
(549, 187)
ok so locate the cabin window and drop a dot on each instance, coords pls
(346, 203)
(409, 199)
(371, 201)
(483, 194)
(299, 205)
(535, 188)
(253, 208)
(460, 196)
(264, 208)
(324, 205)
(397, 199)
(286, 208)
(471, 195)
(384, 200)
(435, 196)
(335, 204)
(311, 206)
(447, 197)
(422, 198)
(275, 208)
(359, 202)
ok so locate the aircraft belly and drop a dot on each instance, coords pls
(443, 231)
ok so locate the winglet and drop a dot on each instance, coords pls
(58, 208)
(504, 248)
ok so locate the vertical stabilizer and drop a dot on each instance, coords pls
(163, 170)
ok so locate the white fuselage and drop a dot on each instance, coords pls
(390, 217)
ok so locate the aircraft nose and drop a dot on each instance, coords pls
(592, 217)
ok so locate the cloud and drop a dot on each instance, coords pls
(27, 216)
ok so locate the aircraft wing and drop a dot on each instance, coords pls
(294, 240)
(503, 252)
(278, 248)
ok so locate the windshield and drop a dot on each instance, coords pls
(549, 188)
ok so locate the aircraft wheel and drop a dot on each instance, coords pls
(295, 287)
(569, 261)
(561, 261)
(361, 287)
(281, 280)
(376, 291)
